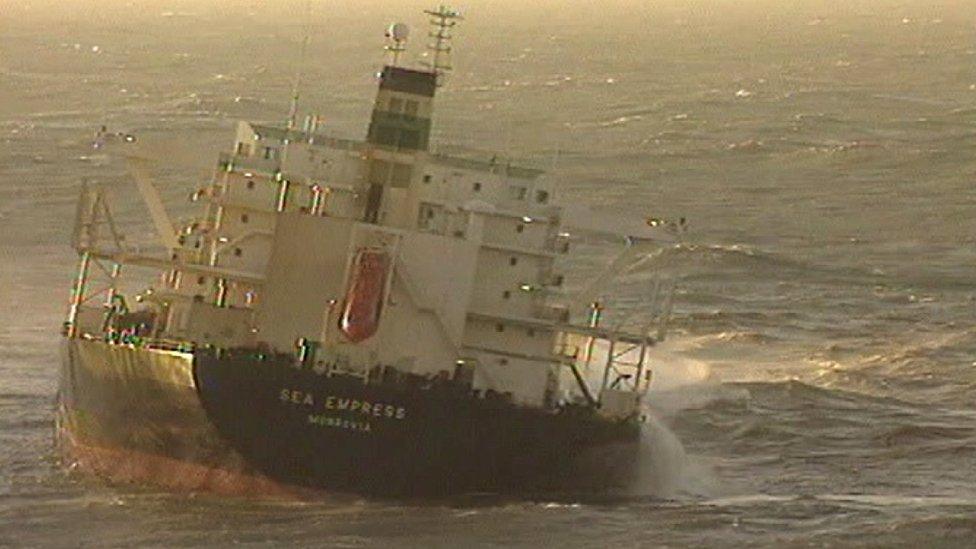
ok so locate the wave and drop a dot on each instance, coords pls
(935, 366)
(730, 256)
(924, 348)
(919, 434)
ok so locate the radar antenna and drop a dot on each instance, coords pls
(442, 20)
(396, 35)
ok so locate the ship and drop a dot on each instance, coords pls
(367, 316)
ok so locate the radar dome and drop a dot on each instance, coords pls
(398, 31)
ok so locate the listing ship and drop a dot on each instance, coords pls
(366, 316)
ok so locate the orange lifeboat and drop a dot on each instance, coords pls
(360, 316)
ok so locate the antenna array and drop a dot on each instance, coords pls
(297, 84)
(442, 20)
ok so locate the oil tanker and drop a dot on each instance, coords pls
(368, 316)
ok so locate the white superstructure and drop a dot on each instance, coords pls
(467, 292)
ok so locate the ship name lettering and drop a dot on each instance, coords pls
(332, 402)
(365, 407)
(296, 397)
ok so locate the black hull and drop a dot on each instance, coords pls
(269, 424)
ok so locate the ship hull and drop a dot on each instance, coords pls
(239, 422)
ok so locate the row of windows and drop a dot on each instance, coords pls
(516, 192)
(398, 138)
(501, 328)
(268, 153)
(427, 213)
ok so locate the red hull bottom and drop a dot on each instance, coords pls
(127, 466)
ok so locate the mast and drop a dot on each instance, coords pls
(296, 85)
(442, 21)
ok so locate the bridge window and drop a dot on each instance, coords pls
(410, 108)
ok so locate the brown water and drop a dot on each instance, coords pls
(819, 386)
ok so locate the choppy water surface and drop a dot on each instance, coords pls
(819, 387)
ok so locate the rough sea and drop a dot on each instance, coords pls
(818, 386)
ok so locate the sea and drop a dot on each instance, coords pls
(817, 384)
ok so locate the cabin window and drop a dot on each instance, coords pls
(542, 197)
(519, 228)
(513, 261)
(250, 184)
(409, 139)
(387, 135)
(499, 327)
(238, 252)
(506, 294)
(245, 218)
(477, 187)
